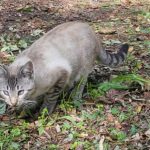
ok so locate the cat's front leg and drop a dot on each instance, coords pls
(29, 108)
(51, 97)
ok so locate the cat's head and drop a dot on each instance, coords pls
(16, 89)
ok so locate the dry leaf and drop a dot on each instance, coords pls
(126, 2)
(57, 128)
(139, 108)
(118, 125)
(110, 118)
(4, 56)
(147, 95)
(83, 135)
(136, 137)
(76, 118)
(147, 86)
(130, 49)
(147, 133)
(107, 31)
(137, 29)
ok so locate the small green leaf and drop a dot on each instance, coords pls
(118, 135)
(16, 132)
(2, 107)
(71, 119)
(15, 145)
(115, 111)
(5, 48)
(66, 126)
(23, 44)
(37, 32)
(133, 129)
(26, 9)
(41, 130)
(122, 117)
(121, 136)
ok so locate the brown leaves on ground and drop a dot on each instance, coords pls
(4, 57)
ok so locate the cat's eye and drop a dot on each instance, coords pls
(20, 92)
(6, 93)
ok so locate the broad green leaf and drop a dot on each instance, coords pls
(110, 85)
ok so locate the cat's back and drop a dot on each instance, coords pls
(66, 40)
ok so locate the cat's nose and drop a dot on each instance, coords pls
(13, 101)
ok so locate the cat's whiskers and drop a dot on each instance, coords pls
(2, 99)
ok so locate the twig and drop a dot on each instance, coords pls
(48, 136)
(29, 145)
(101, 147)
(103, 100)
(139, 99)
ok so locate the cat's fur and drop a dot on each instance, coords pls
(57, 60)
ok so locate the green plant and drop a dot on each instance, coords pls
(42, 121)
(118, 135)
(9, 137)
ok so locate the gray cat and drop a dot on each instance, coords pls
(63, 56)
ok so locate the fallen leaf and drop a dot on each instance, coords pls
(57, 128)
(126, 2)
(137, 29)
(4, 56)
(76, 118)
(83, 135)
(147, 85)
(147, 133)
(110, 118)
(130, 49)
(118, 125)
(136, 137)
(4, 118)
(139, 108)
(147, 95)
(107, 31)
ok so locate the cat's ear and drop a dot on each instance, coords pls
(27, 70)
(3, 72)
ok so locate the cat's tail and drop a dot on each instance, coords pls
(114, 59)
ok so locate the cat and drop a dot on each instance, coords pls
(55, 62)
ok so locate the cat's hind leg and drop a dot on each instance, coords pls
(77, 92)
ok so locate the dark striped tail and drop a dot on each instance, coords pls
(115, 59)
